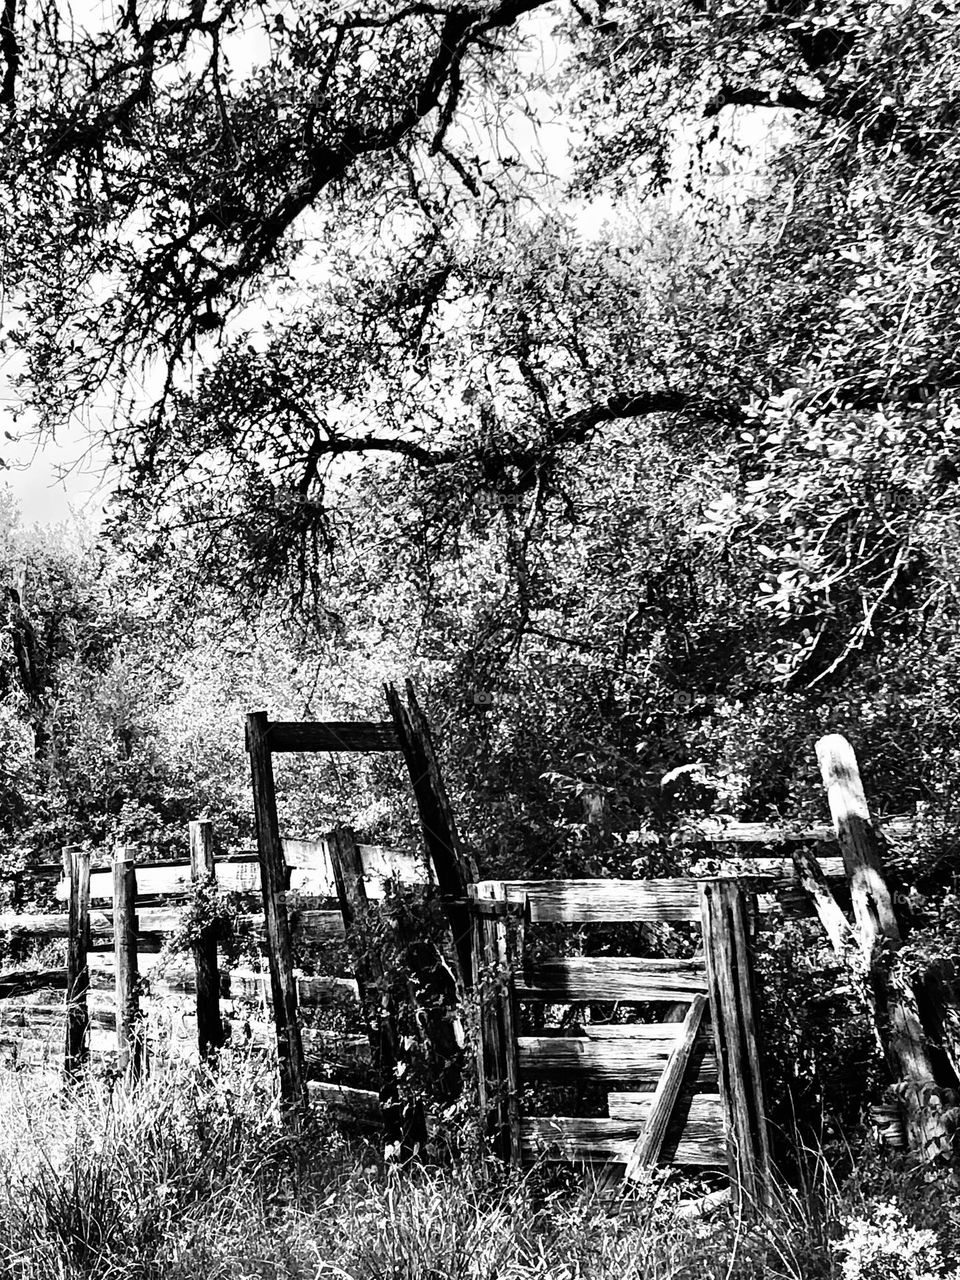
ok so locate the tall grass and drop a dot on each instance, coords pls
(195, 1177)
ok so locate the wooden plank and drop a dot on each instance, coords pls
(571, 979)
(293, 1090)
(720, 832)
(771, 875)
(729, 982)
(210, 1032)
(642, 1055)
(21, 982)
(130, 1044)
(635, 1105)
(313, 992)
(606, 901)
(77, 868)
(307, 860)
(646, 1152)
(814, 882)
(332, 735)
(359, 1105)
(587, 1138)
(453, 868)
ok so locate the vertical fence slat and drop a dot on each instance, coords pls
(76, 865)
(726, 950)
(273, 883)
(129, 1023)
(497, 1061)
(210, 1034)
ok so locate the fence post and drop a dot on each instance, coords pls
(125, 930)
(273, 884)
(76, 866)
(894, 1004)
(497, 1055)
(210, 1033)
(723, 908)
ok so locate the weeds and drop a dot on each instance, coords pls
(194, 1178)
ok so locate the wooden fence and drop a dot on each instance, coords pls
(111, 1001)
(676, 1065)
(679, 1059)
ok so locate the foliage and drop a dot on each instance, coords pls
(193, 1176)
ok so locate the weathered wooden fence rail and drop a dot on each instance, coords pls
(119, 917)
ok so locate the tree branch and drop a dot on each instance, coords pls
(10, 49)
(574, 429)
(729, 96)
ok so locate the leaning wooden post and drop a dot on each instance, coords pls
(454, 869)
(210, 1035)
(125, 931)
(273, 884)
(724, 911)
(76, 865)
(895, 1007)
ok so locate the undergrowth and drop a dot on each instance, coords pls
(193, 1177)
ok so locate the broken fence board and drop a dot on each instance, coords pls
(309, 870)
(359, 1105)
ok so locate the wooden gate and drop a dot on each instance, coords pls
(687, 1091)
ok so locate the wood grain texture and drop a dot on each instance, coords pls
(210, 1031)
(894, 1004)
(130, 1042)
(634, 1105)
(293, 1090)
(642, 1056)
(332, 735)
(570, 979)
(579, 1138)
(646, 1152)
(720, 833)
(359, 1105)
(729, 981)
(606, 901)
(77, 868)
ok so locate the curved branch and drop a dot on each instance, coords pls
(574, 429)
(793, 99)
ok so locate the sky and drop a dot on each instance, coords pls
(51, 483)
